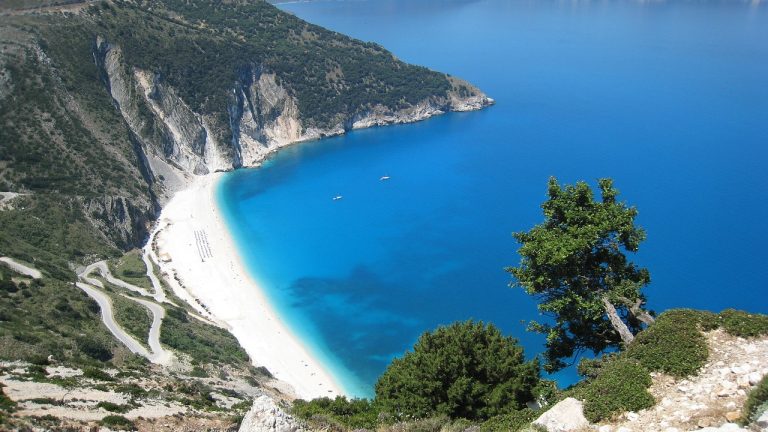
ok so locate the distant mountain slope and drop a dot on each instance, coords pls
(108, 108)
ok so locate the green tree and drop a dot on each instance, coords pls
(465, 370)
(574, 263)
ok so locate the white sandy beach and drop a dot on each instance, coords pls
(194, 244)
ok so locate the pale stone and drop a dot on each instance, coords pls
(754, 378)
(623, 429)
(266, 416)
(566, 416)
(762, 422)
(739, 369)
(604, 428)
(633, 416)
(732, 416)
(743, 381)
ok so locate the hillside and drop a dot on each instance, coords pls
(107, 108)
(106, 111)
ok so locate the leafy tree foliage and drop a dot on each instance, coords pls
(465, 370)
(575, 264)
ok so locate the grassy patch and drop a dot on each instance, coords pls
(133, 317)
(130, 268)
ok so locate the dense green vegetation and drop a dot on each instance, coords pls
(621, 385)
(575, 264)
(673, 345)
(203, 342)
(52, 318)
(465, 370)
(216, 44)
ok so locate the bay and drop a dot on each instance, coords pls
(670, 99)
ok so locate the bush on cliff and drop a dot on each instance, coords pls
(757, 402)
(674, 343)
(353, 413)
(743, 324)
(621, 386)
(465, 370)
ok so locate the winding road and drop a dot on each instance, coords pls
(21, 268)
(107, 316)
(92, 286)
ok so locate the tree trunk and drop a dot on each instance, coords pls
(637, 311)
(626, 336)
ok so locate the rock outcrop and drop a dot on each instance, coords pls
(176, 143)
(566, 416)
(266, 416)
(710, 401)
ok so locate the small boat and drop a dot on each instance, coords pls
(337, 197)
(384, 177)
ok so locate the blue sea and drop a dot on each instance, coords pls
(669, 98)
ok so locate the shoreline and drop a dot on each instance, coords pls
(197, 253)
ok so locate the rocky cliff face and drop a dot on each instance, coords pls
(178, 143)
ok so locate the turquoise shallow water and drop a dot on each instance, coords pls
(668, 98)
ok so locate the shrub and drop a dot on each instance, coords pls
(113, 407)
(353, 413)
(94, 348)
(743, 324)
(757, 402)
(6, 404)
(118, 422)
(512, 421)
(465, 370)
(621, 386)
(97, 374)
(673, 344)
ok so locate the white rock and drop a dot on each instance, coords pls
(266, 416)
(739, 369)
(762, 422)
(604, 428)
(743, 381)
(623, 429)
(728, 427)
(633, 416)
(754, 378)
(566, 416)
(671, 429)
